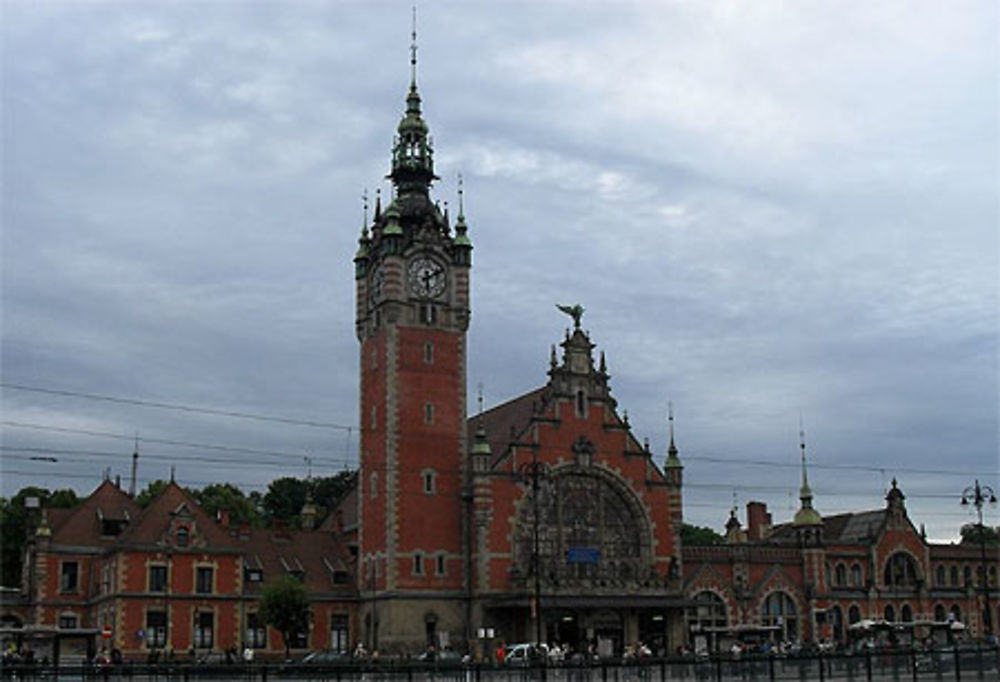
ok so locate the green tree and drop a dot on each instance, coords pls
(15, 522)
(283, 606)
(328, 491)
(284, 498)
(218, 496)
(149, 493)
(971, 535)
(699, 535)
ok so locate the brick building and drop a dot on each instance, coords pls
(170, 579)
(839, 578)
(448, 507)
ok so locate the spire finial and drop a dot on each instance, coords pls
(364, 204)
(479, 396)
(802, 448)
(413, 51)
(461, 192)
(670, 424)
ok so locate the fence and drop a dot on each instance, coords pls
(968, 664)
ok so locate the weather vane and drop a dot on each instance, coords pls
(575, 311)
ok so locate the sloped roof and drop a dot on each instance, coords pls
(154, 521)
(317, 554)
(499, 422)
(346, 508)
(81, 525)
(850, 528)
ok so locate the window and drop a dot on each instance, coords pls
(940, 614)
(157, 578)
(710, 611)
(853, 614)
(183, 535)
(779, 609)
(441, 564)
(68, 622)
(906, 615)
(967, 576)
(836, 617)
(112, 527)
(340, 577)
(204, 630)
(255, 575)
(256, 632)
(581, 404)
(429, 413)
(956, 612)
(156, 629)
(430, 482)
(429, 353)
(900, 571)
(855, 575)
(203, 580)
(840, 578)
(340, 633)
(954, 576)
(69, 576)
(939, 576)
(428, 313)
(890, 613)
(418, 563)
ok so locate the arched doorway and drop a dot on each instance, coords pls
(779, 610)
(706, 621)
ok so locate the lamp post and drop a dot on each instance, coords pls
(978, 495)
(534, 470)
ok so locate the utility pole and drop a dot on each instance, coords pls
(977, 495)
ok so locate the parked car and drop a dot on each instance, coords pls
(525, 654)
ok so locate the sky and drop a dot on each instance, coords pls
(774, 214)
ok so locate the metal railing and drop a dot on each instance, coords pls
(968, 663)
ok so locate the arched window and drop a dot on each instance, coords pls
(967, 576)
(956, 611)
(906, 615)
(940, 576)
(900, 571)
(709, 612)
(940, 614)
(853, 614)
(890, 613)
(837, 623)
(591, 530)
(856, 575)
(954, 576)
(779, 609)
(840, 577)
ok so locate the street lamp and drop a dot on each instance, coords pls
(977, 495)
(533, 470)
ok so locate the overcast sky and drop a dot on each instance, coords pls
(767, 209)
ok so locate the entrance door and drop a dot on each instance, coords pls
(564, 628)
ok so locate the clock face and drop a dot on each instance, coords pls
(427, 277)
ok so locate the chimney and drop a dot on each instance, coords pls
(758, 521)
(222, 516)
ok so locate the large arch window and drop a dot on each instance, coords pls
(779, 609)
(710, 611)
(590, 529)
(900, 571)
(906, 614)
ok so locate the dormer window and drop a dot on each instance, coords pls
(255, 575)
(183, 536)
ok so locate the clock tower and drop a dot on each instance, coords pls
(412, 313)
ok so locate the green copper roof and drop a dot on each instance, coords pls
(807, 516)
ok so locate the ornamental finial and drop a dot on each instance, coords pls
(575, 311)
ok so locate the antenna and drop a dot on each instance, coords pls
(309, 467)
(461, 204)
(135, 467)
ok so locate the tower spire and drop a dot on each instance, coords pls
(413, 52)
(806, 515)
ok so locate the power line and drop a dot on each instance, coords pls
(158, 441)
(177, 407)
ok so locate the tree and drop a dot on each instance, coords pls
(284, 498)
(219, 496)
(971, 536)
(283, 606)
(150, 492)
(14, 526)
(699, 535)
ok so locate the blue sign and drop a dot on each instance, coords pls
(582, 555)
